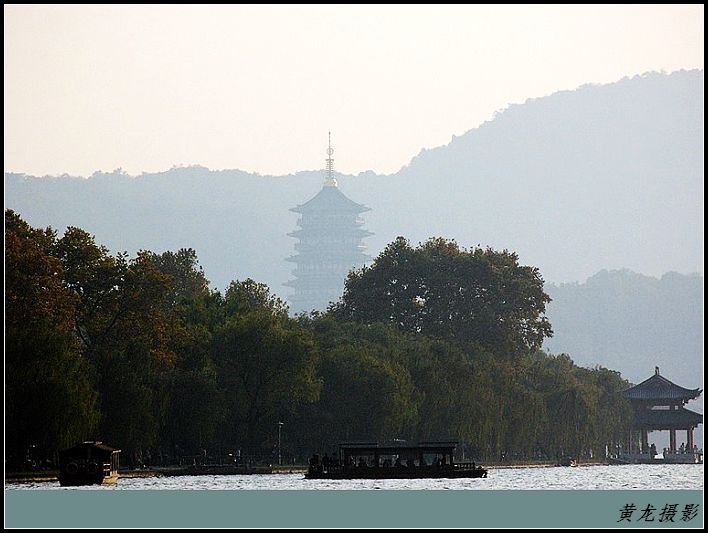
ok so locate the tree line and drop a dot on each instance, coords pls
(433, 342)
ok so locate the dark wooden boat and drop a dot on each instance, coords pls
(88, 463)
(686, 458)
(567, 461)
(393, 461)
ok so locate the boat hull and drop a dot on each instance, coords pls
(374, 473)
(646, 459)
(80, 480)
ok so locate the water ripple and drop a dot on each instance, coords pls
(651, 477)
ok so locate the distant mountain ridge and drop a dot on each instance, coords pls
(627, 321)
(605, 176)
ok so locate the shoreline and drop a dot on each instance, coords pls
(53, 475)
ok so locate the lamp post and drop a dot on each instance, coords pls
(280, 425)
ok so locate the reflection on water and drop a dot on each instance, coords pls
(584, 478)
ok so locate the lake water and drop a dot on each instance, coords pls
(614, 477)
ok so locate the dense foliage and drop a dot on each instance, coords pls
(481, 298)
(429, 343)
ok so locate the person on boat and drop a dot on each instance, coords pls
(652, 450)
(398, 463)
(315, 464)
(682, 448)
(362, 462)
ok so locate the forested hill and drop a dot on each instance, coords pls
(605, 176)
(630, 322)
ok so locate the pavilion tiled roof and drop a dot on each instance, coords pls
(658, 387)
(668, 418)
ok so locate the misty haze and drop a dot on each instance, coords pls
(354, 247)
(603, 177)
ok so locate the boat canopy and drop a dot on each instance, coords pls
(374, 448)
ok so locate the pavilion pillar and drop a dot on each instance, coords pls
(672, 440)
(645, 441)
(689, 439)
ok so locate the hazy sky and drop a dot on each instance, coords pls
(257, 88)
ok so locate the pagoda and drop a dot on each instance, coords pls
(330, 245)
(658, 406)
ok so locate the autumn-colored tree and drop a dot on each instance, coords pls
(50, 400)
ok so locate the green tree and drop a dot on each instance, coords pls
(249, 295)
(136, 358)
(266, 370)
(478, 297)
(50, 399)
(195, 410)
(187, 276)
(615, 411)
(196, 402)
(451, 398)
(364, 397)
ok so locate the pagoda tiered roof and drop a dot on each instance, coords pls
(330, 234)
(325, 231)
(330, 199)
(352, 255)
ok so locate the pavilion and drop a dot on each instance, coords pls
(659, 406)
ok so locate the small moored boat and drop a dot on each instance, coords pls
(88, 463)
(393, 461)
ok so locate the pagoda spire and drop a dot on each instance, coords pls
(330, 244)
(330, 180)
